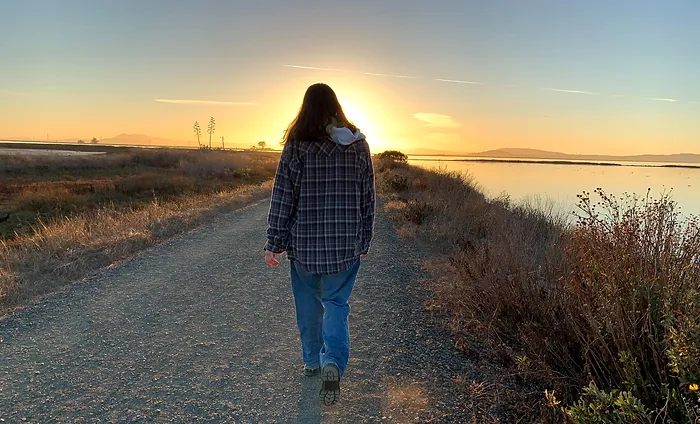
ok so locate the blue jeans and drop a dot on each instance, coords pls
(321, 303)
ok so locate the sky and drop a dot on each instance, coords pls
(603, 77)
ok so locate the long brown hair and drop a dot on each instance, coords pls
(319, 108)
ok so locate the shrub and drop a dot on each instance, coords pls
(630, 295)
(393, 155)
(396, 183)
(598, 406)
(610, 302)
(416, 212)
(389, 160)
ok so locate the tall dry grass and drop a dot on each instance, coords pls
(70, 215)
(603, 313)
(42, 188)
(65, 250)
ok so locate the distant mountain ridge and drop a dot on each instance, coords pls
(505, 153)
(434, 152)
(520, 153)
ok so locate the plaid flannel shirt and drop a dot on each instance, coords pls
(322, 206)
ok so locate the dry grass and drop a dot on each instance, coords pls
(69, 249)
(42, 188)
(71, 215)
(612, 299)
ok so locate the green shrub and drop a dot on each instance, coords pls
(614, 407)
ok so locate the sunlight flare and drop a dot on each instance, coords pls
(204, 102)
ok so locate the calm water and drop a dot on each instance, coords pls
(561, 183)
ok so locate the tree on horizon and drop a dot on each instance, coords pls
(211, 128)
(197, 132)
(262, 145)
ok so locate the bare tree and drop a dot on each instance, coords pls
(197, 132)
(262, 145)
(222, 143)
(211, 128)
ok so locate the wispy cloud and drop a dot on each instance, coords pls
(662, 100)
(374, 74)
(315, 68)
(561, 90)
(436, 120)
(458, 81)
(388, 75)
(204, 102)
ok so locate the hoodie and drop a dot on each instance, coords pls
(340, 134)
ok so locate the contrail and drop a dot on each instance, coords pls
(662, 100)
(388, 75)
(458, 81)
(374, 74)
(455, 81)
(571, 91)
(204, 102)
(315, 68)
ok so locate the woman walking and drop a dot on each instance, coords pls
(322, 215)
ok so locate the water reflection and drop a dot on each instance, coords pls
(561, 183)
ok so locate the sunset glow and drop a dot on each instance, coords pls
(461, 76)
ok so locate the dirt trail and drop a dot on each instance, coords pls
(200, 330)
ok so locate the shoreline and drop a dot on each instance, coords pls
(560, 162)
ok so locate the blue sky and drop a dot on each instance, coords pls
(581, 77)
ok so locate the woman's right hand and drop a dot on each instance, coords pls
(271, 259)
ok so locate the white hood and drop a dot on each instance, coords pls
(344, 136)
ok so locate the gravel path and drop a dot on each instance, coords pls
(200, 330)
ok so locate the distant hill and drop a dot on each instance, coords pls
(145, 140)
(543, 154)
(434, 152)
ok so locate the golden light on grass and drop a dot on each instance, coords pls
(66, 222)
(404, 401)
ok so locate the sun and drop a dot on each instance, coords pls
(360, 116)
(366, 116)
